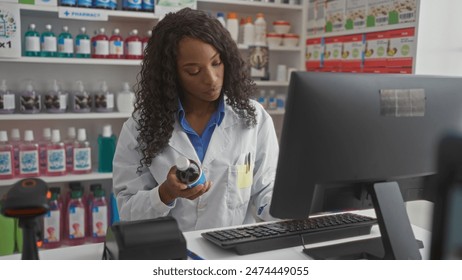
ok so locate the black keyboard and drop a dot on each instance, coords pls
(289, 233)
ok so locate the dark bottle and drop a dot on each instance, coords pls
(189, 172)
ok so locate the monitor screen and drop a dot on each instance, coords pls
(344, 132)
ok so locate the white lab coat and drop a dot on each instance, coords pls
(235, 196)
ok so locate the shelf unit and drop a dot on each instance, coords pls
(67, 178)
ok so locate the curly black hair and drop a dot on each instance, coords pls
(158, 87)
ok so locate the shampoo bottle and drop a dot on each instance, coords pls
(82, 154)
(99, 214)
(56, 155)
(76, 216)
(7, 164)
(29, 156)
(52, 221)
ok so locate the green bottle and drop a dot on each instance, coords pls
(82, 44)
(106, 149)
(65, 43)
(7, 235)
(32, 41)
(48, 42)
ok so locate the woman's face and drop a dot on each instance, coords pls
(200, 70)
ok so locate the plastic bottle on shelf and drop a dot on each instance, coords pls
(104, 99)
(29, 156)
(15, 140)
(260, 30)
(43, 144)
(189, 172)
(240, 38)
(81, 154)
(48, 43)
(249, 32)
(32, 41)
(221, 18)
(99, 218)
(55, 100)
(7, 99)
(125, 99)
(148, 5)
(132, 5)
(133, 46)
(82, 44)
(68, 3)
(56, 155)
(106, 149)
(76, 216)
(232, 24)
(52, 221)
(105, 4)
(65, 43)
(81, 100)
(146, 39)
(7, 164)
(30, 100)
(100, 44)
(69, 143)
(272, 100)
(116, 45)
(85, 3)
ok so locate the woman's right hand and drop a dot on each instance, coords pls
(173, 188)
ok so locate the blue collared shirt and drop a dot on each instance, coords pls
(201, 143)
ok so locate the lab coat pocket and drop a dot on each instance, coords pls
(240, 179)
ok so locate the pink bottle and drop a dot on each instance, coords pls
(52, 221)
(56, 155)
(15, 140)
(75, 216)
(99, 214)
(29, 156)
(100, 45)
(43, 143)
(116, 45)
(6, 157)
(82, 154)
(133, 46)
(69, 146)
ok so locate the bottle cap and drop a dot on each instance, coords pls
(47, 133)
(220, 14)
(76, 194)
(83, 30)
(94, 187)
(102, 30)
(260, 15)
(28, 135)
(75, 186)
(29, 87)
(107, 130)
(116, 31)
(3, 136)
(249, 20)
(71, 132)
(182, 163)
(48, 27)
(232, 15)
(80, 87)
(15, 134)
(99, 192)
(55, 136)
(54, 86)
(149, 33)
(104, 86)
(134, 32)
(32, 26)
(65, 28)
(82, 135)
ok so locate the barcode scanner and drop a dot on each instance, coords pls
(27, 200)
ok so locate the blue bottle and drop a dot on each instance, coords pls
(132, 5)
(106, 149)
(48, 43)
(68, 3)
(148, 5)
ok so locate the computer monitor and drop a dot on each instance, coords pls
(368, 140)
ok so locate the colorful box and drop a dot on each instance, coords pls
(355, 14)
(311, 21)
(378, 12)
(403, 11)
(375, 51)
(314, 54)
(401, 48)
(332, 52)
(335, 15)
(10, 30)
(320, 16)
(353, 51)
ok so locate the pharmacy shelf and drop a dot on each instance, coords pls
(274, 48)
(271, 84)
(77, 61)
(64, 116)
(112, 14)
(66, 178)
(364, 30)
(276, 112)
(248, 6)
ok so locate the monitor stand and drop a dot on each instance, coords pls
(397, 239)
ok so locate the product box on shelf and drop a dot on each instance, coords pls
(403, 11)
(40, 2)
(375, 51)
(353, 52)
(333, 53)
(314, 54)
(320, 16)
(10, 30)
(378, 12)
(401, 47)
(355, 14)
(335, 15)
(378, 70)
